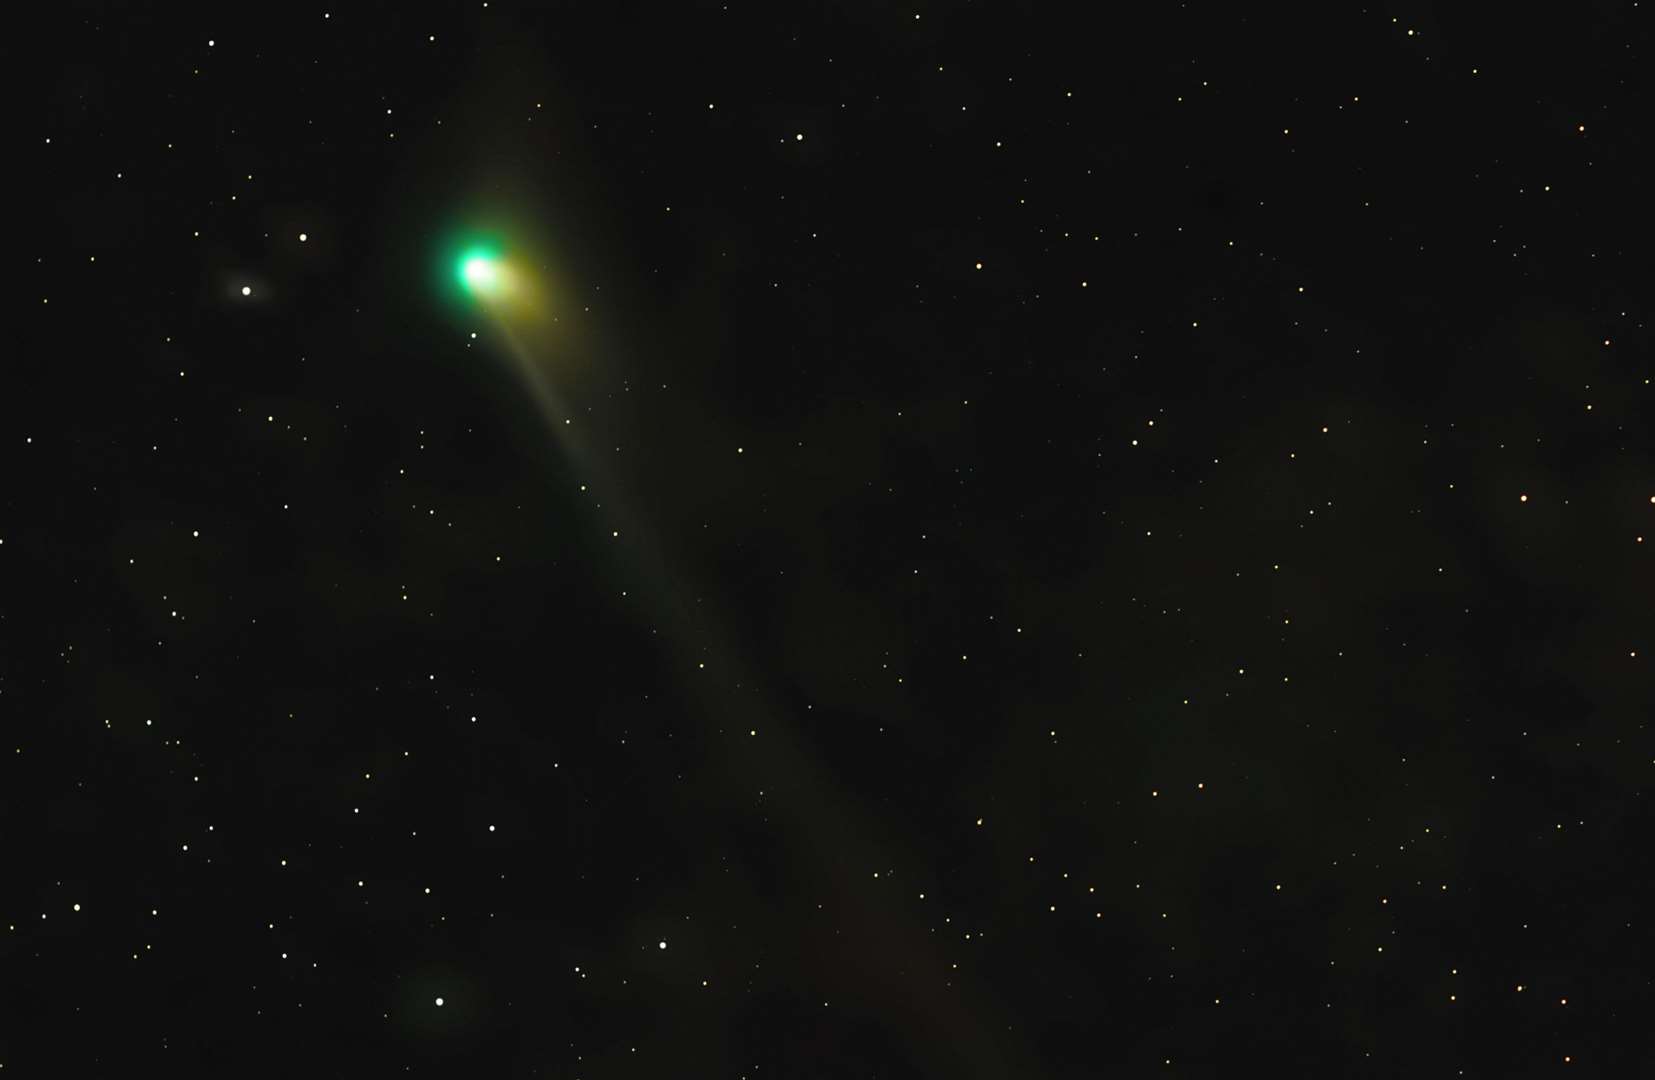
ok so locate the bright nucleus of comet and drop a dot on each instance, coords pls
(500, 272)
(481, 273)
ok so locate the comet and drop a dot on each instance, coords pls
(533, 324)
(505, 282)
(480, 273)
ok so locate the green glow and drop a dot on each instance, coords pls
(489, 269)
(479, 271)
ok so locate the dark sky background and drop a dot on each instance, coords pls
(1131, 551)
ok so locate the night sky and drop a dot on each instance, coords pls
(992, 540)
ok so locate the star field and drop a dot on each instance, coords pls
(735, 540)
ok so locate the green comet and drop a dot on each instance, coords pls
(490, 272)
(479, 271)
